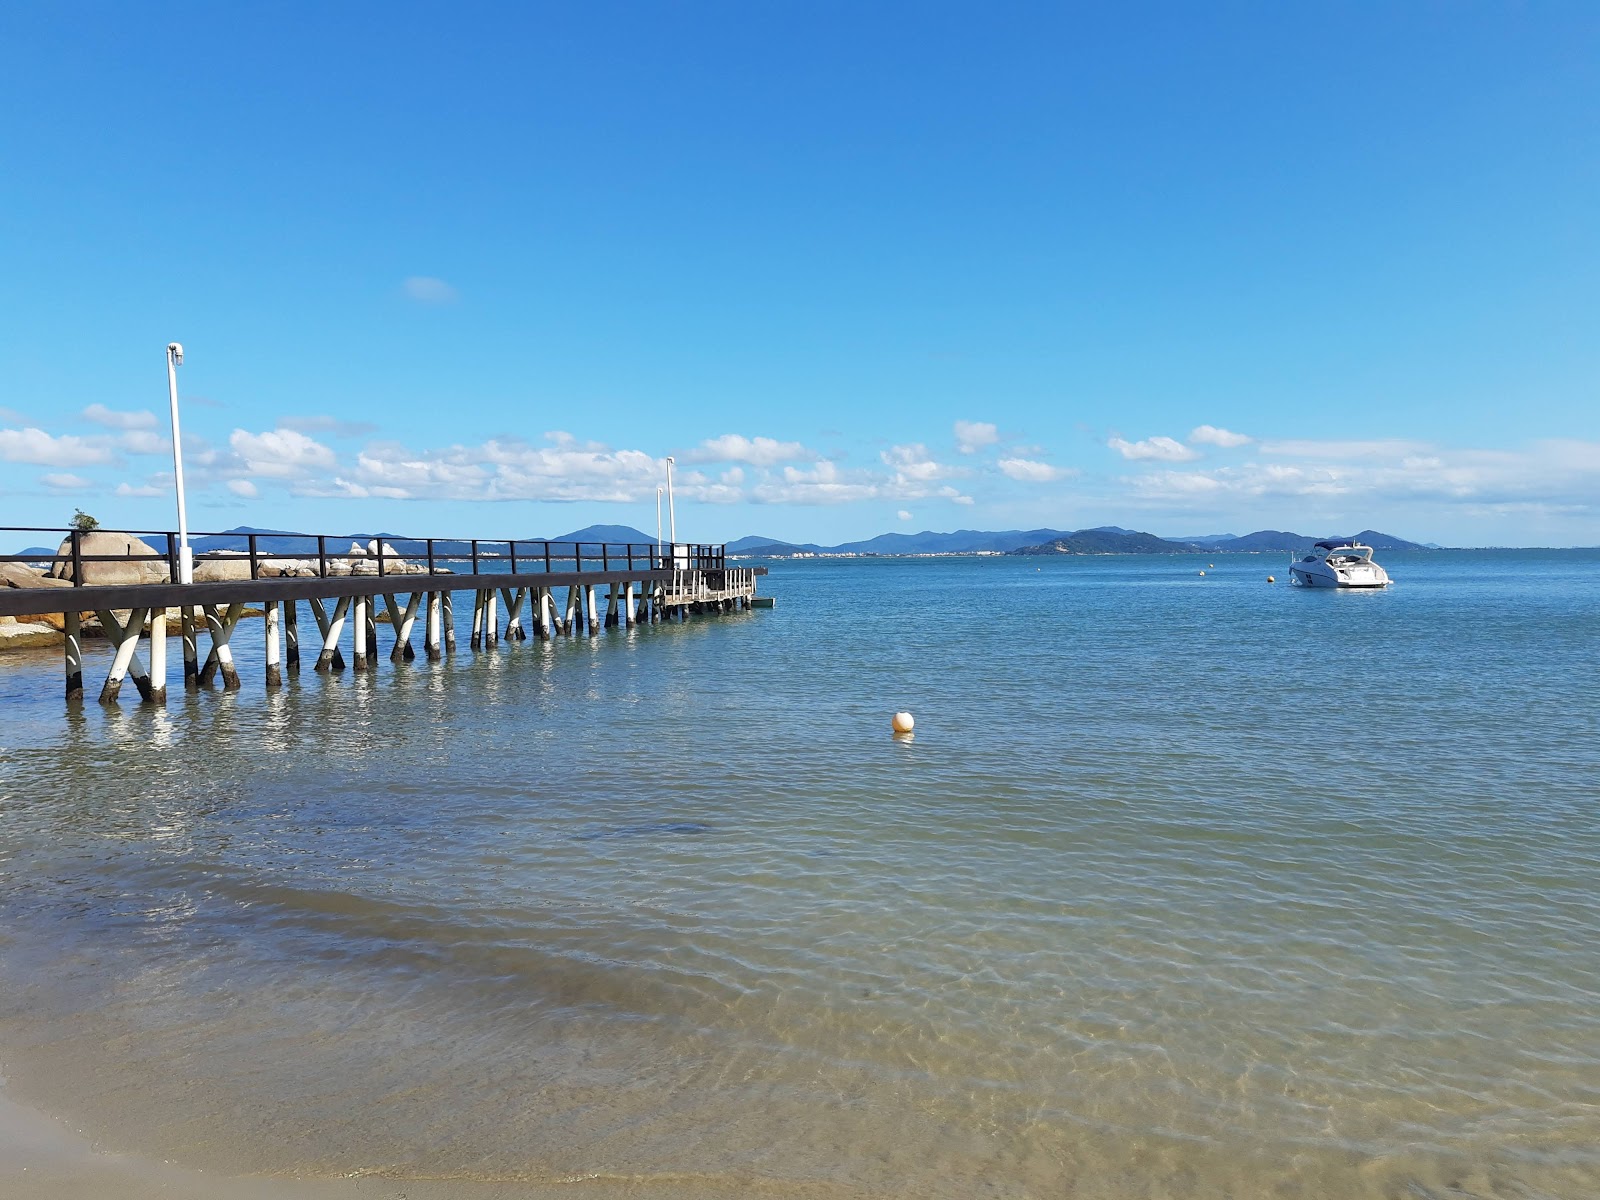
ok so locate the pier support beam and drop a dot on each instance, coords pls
(158, 656)
(291, 636)
(402, 620)
(449, 611)
(591, 613)
(126, 640)
(491, 618)
(476, 641)
(358, 660)
(191, 648)
(542, 613)
(74, 656)
(274, 667)
(330, 658)
(430, 628)
(220, 624)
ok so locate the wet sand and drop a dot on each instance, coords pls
(42, 1158)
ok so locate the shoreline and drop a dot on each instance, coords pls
(44, 1158)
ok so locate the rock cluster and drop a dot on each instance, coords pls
(219, 565)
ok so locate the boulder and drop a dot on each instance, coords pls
(19, 575)
(389, 552)
(24, 635)
(221, 569)
(357, 550)
(148, 565)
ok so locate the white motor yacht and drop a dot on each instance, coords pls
(1339, 564)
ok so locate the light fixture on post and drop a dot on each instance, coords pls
(185, 556)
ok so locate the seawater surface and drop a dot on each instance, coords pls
(1186, 887)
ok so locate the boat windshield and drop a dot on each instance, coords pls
(1350, 554)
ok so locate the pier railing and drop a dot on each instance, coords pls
(320, 556)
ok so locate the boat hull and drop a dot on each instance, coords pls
(1323, 576)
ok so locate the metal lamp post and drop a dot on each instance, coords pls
(672, 515)
(658, 525)
(185, 557)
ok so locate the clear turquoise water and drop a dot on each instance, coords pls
(1185, 887)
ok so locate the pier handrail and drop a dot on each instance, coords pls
(525, 556)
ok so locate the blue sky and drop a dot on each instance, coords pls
(479, 269)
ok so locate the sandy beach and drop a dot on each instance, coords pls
(43, 1158)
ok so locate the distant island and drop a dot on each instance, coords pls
(1105, 539)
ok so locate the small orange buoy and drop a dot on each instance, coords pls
(903, 722)
(1271, 579)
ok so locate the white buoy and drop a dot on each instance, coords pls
(1271, 579)
(1202, 572)
(903, 722)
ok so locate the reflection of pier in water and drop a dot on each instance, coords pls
(561, 586)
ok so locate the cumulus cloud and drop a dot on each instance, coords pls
(1210, 435)
(822, 483)
(1164, 449)
(425, 289)
(144, 441)
(40, 449)
(903, 515)
(141, 491)
(1029, 471)
(243, 487)
(913, 463)
(112, 419)
(1561, 472)
(972, 436)
(281, 453)
(61, 482)
(757, 451)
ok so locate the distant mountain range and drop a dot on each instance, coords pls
(283, 541)
(1106, 539)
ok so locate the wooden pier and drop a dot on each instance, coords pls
(519, 589)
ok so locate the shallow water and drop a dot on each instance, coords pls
(1185, 887)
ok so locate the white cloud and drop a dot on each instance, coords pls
(280, 453)
(1210, 435)
(1028, 471)
(142, 491)
(757, 451)
(243, 487)
(903, 515)
(425, 289)
(40, 449)
(972, 436)
(823, 483)
(1556, 472)
(912, 463)
(1394, 448)
(1164, 449)
(65, 482)
(112, 419)
(144, 441)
